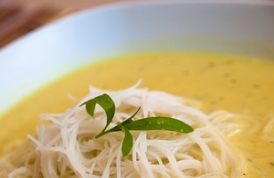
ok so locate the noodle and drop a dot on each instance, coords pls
(67, 148)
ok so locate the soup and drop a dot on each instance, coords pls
(216, 81)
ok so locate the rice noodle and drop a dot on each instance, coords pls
(67, 148)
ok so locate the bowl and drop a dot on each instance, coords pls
(95, 34)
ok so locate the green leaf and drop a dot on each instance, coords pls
(159, 123)
(127, 142)
(149, 123)
(106, 103)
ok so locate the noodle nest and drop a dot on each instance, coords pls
(65, 144)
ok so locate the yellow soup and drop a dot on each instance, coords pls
(219, 81)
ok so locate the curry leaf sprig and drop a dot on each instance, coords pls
(144, 124)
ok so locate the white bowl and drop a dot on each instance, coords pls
(82, 38)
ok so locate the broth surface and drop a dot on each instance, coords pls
(219, 81)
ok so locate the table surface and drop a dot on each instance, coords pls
(18, 17)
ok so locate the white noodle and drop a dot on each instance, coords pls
(67, 148)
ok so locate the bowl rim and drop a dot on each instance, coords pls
(127, 4)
